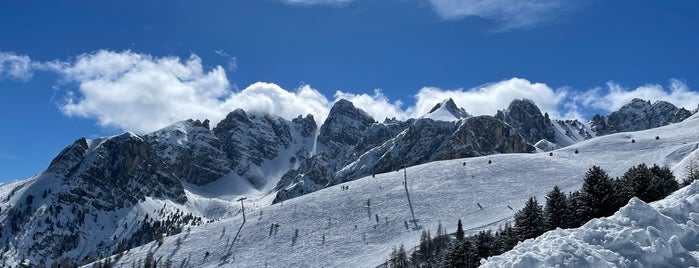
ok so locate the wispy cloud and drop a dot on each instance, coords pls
(317, 2)
(15, 66)
(232, 61)
(508, 13)
(142, 93)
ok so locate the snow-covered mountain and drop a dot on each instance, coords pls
(352, 145)
(638, 115)
(337, 226)
(107, 195)
(446, 111)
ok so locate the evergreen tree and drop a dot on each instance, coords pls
(484, 244)
(529, 222)
(556, 209)
(459, 231)
(664, 183)
(579, 211)
(505, 239)
(637, 181)
(597, 193)
(399, 259)
(460, 255)
(150, 260)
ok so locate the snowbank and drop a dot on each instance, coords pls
(661, 234)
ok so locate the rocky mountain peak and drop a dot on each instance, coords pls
(344, 124)
(637, 115)
(446, 111)
(528, 121)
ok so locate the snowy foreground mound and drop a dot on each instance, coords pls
(660, 234)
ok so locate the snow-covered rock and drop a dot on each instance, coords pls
(446, 111)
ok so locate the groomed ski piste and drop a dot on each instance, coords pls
(338, 228)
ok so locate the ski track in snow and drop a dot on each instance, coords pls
(441, 191)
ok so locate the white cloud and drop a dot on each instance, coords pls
(614, 96)
(377, 105)
(15, 66)
(510, 13)
(142, 93)
(271, 98)
(490, 98)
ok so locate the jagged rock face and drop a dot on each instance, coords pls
(306, 125)
(526, 118)
(250, 139)
(65, 163)
(119, 172)
(343, 129)
(191, 151)
(418, 141)
(312, 175)
(483, 135)
(377, 135)
(638, 115)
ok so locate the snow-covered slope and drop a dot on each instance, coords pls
(659, 234)
(338, 228)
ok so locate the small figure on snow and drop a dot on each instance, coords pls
(479, 205)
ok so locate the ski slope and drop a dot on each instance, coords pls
(441, 191)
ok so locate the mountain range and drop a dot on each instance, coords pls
(106, 196)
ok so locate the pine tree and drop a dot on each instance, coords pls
(664, 182)
(597, 193)
(556, 209)
(505, 239)
(485, 244)
(399, 259)
(637, 181)
(529, 222)
(459, 231)
(460, 255)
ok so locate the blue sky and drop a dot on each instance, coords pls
(70, 69)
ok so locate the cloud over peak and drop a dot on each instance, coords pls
(142, 93)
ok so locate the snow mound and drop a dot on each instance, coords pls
(660, 234)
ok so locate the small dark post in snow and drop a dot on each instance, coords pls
(508, 206)
(406, 224)
(479, 205)
(410, 203)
